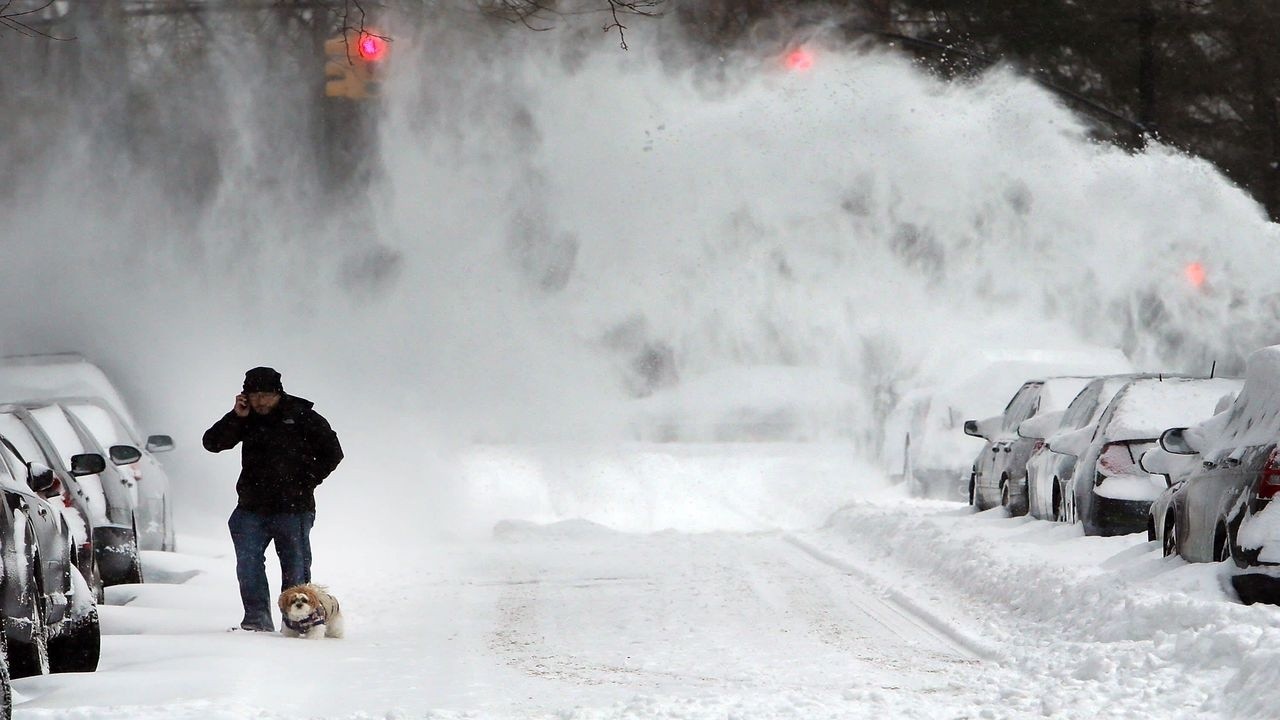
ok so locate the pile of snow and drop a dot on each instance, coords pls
(1099, 626)
(1253, 418)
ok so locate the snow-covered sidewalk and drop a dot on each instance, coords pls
(1088, 627)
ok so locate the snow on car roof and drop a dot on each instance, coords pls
(1146, 408)
(1253, 418)
(946, 363)
(41, 377)
(985, 393)
(1058, 392)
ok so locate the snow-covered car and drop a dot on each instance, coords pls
(91, 397)
(1176, 469)
(1048, 472)
(924, 434)
(1109, 492)
(103, 429)
(6, 686)
(1224, 510)
(924, 445)
(1161, 518)
(75, 491)
(50, 617)
(999, 475)
(106, 504)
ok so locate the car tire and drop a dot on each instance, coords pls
(77, 649)
(1058, 515)
(134, 574)
(95, 580)
(27, 659)
(1170, 544)
(1221, 545)
(973, 489)
(6, 687)
(1240, 556)
(1006, 498)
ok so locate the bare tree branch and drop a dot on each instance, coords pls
(644, 8)
(9, 19)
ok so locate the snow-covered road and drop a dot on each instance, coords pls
(890, 607)
(540, 620)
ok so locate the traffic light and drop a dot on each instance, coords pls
(799, 60)
(354, 65)
(1195, 274)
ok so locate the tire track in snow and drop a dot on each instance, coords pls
(901, 606)
(708, 611)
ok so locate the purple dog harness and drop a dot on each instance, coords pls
(302, 626)
(315, 618)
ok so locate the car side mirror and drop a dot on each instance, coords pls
(1174, 440)
(1159, 461)
(985, 429)
(1072, 443)
(159, 443)
(40, 477)
(1041, 426)
(124, 454)
(87, 464)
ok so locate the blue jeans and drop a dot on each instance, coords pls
(251, 533)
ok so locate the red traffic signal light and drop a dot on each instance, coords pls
(355, 65)
(1196, 274)
(799, 60)
(371, 47)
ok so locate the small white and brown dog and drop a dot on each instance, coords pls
(310, 612)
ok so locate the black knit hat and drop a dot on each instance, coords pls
(262, 379)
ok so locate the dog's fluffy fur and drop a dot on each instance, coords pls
(299, 602)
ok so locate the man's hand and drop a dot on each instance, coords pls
(242, 406)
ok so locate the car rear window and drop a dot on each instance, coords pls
(1081, 409)
(1023, 405)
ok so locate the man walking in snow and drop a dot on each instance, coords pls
(288, 450)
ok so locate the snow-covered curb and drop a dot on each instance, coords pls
(1089, 615)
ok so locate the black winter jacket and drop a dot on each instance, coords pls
(286, 454)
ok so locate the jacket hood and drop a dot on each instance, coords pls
(292, 402)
